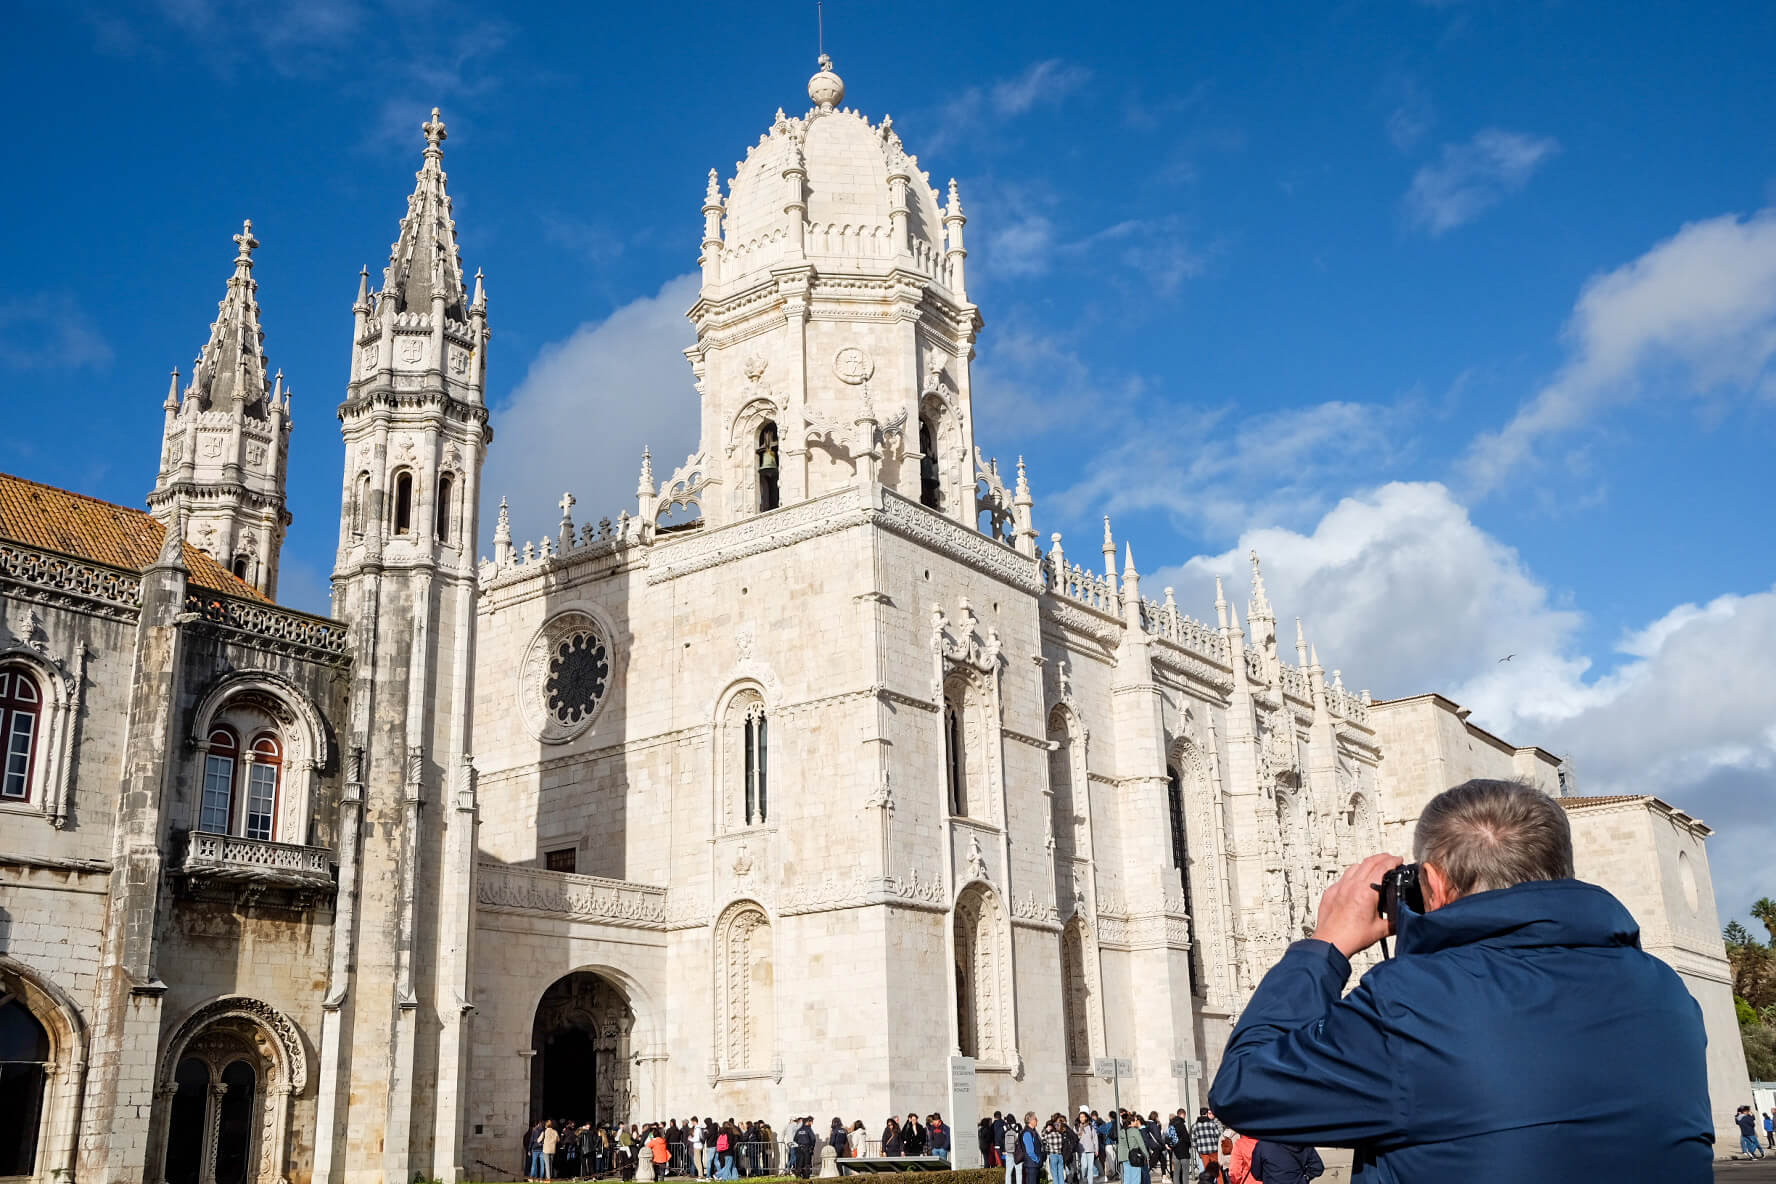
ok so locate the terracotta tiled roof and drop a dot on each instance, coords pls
(1579, 803)
(74, 524)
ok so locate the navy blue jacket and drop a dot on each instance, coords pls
(1285, 1163)
(1515, 1033)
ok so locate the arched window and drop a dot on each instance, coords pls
(185, 1128)
(930, 483)
(1181, 861)
(263, 774)
(217, 808)
(24, 1072)
(404, 502)
(240, 567)
(755, 770)
(955, 756)
(767, 471)
(360, 504)
(441, 516)
(234, 1124)
(21, 713)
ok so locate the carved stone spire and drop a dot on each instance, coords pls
(425, 258)
(232, 365)
(226, 485)
(1260, 601)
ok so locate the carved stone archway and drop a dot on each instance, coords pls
(221, 1034)
(583, 1038)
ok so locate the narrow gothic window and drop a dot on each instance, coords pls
(767, 453)
(403, 502)
(360, 507)
(441, 527)
(217, 807)
(262, 786)
(21, 708)
(930, 485)
(1181, 861)
(755, 764)
(955, 769)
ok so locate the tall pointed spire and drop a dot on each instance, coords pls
(1260, 601)
(232, 365)
(425, 257)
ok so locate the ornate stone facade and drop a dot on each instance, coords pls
(814, 781)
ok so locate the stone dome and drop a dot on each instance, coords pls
(847, 162)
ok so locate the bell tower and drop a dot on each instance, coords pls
(414, 421)
(834, 330)
(226, 442)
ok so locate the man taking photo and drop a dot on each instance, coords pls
(1519, 1029)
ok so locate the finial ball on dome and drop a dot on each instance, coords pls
(826, 88)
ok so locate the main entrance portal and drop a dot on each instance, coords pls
(581, 1036)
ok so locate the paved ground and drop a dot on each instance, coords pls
(1745, 1171)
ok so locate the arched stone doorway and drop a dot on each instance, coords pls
(24, 1058)
(42, 1073)
(226, 1078)
(581, 1037)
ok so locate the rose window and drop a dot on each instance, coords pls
(579, 672)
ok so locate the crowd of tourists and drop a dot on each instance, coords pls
(710, 1150)
(1122, 1147)
(1125, 1147)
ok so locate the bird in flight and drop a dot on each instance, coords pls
(1507, 657)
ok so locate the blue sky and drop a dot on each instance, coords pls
(1464, 313)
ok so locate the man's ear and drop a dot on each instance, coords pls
(1436, 886)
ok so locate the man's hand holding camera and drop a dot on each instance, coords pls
(1350, 911)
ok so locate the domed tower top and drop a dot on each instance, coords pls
(829, 188)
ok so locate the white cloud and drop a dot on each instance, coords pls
(1044, 82)
(1469, 179)
(622, 381)
(1402, 590)
(1695, 315)
(50, 331)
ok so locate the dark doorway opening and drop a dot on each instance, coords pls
(570, 1077)
(581, 1036)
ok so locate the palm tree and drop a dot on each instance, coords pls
(1765, 911)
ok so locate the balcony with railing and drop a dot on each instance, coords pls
(250, 870)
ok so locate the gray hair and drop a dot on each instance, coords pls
(1485, 835)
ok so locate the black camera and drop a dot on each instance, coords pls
(1400, 885)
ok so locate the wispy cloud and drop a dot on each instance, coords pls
(1046, 82)
(50, 331)
(1694, 316)
(1469, 179)
(329, 42)
(1412, 118)
(1043, 84)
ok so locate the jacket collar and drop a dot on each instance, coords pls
(1540, 913)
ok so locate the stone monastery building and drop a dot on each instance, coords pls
(818, 780)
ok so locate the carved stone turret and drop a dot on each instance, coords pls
(225, 442)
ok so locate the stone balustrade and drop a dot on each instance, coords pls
(567, 894)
